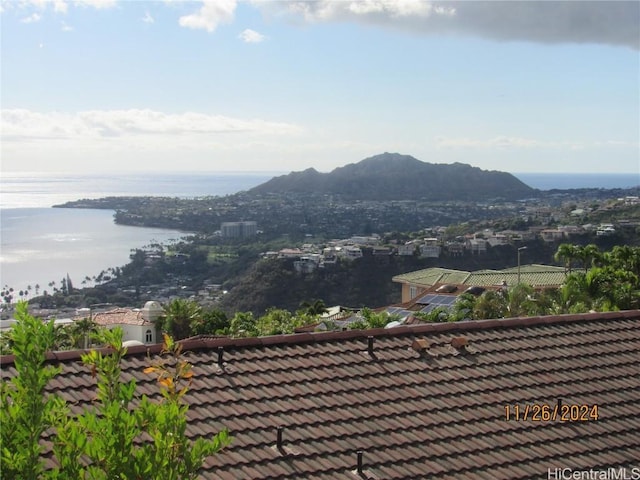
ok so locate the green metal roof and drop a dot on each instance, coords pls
(431, 276)
(534, 275)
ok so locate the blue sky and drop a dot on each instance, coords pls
(225, 85)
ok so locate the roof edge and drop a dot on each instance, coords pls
(194, 344)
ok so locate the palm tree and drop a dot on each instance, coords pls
(590, 256)
(178, 317)
(521, 301)
(63, 338)
(316, 308)
(82, 331)
(567, 254)
(491, 304)
(625, 257)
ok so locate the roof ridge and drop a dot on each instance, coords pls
(308, 337)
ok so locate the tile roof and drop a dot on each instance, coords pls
(414, 404)
(119, 316)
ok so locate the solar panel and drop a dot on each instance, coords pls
(438, 299)
(429, 298)
(428, 308)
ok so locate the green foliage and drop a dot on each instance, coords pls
(438, 314)
(275, 321)
(314, 308)
(179, 315)
(212, 321)
(25, 410)
(243, 324)
(371, 319)
(520, 301)
(491, 304)
(119, 436)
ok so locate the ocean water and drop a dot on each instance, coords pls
(549, 181)
(31, 190)
(40, 244)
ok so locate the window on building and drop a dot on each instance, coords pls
(148, 336)
(413, 291)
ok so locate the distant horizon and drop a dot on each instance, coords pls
(266, 172)
(102, 86)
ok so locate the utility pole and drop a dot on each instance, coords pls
(519, 250)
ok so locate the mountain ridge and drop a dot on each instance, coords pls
(394, 176)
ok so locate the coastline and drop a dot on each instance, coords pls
(42, 245)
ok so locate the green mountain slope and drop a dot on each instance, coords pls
(392, 176)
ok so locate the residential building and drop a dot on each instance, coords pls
(552, 235)
(430, 248)
(138, 325)
(408, 249)
(477, 246)
(238, 229)
(420, 281)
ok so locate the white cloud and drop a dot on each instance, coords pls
(65, 27)
(500, 141)
(147, 18)
(99, 140)
(33, 18)
(24, 125)
(60, 6)
(604, 22)
(504, 142)
(211, 14)
(251, 36)
(99, 4)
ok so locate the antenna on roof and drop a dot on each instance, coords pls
(280, 447)
(359, 453)
(279, 438)
(221, 356)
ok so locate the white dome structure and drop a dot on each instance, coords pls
(152, 311)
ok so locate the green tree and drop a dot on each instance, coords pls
(438, 314)
(624, 257)
(521, 301)
(277, 321)
(63, 337)
(102, 442)
(212, 321)
(491, 304)
(566, 254)
(82, 330)
(589, 255)
(463, 307)
(178, 317)
(243, 324)
(315, 308)
(25, 410)
(371, 319)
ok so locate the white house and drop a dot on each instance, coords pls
(137, 324)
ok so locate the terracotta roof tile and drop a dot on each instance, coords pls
(435, 414)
